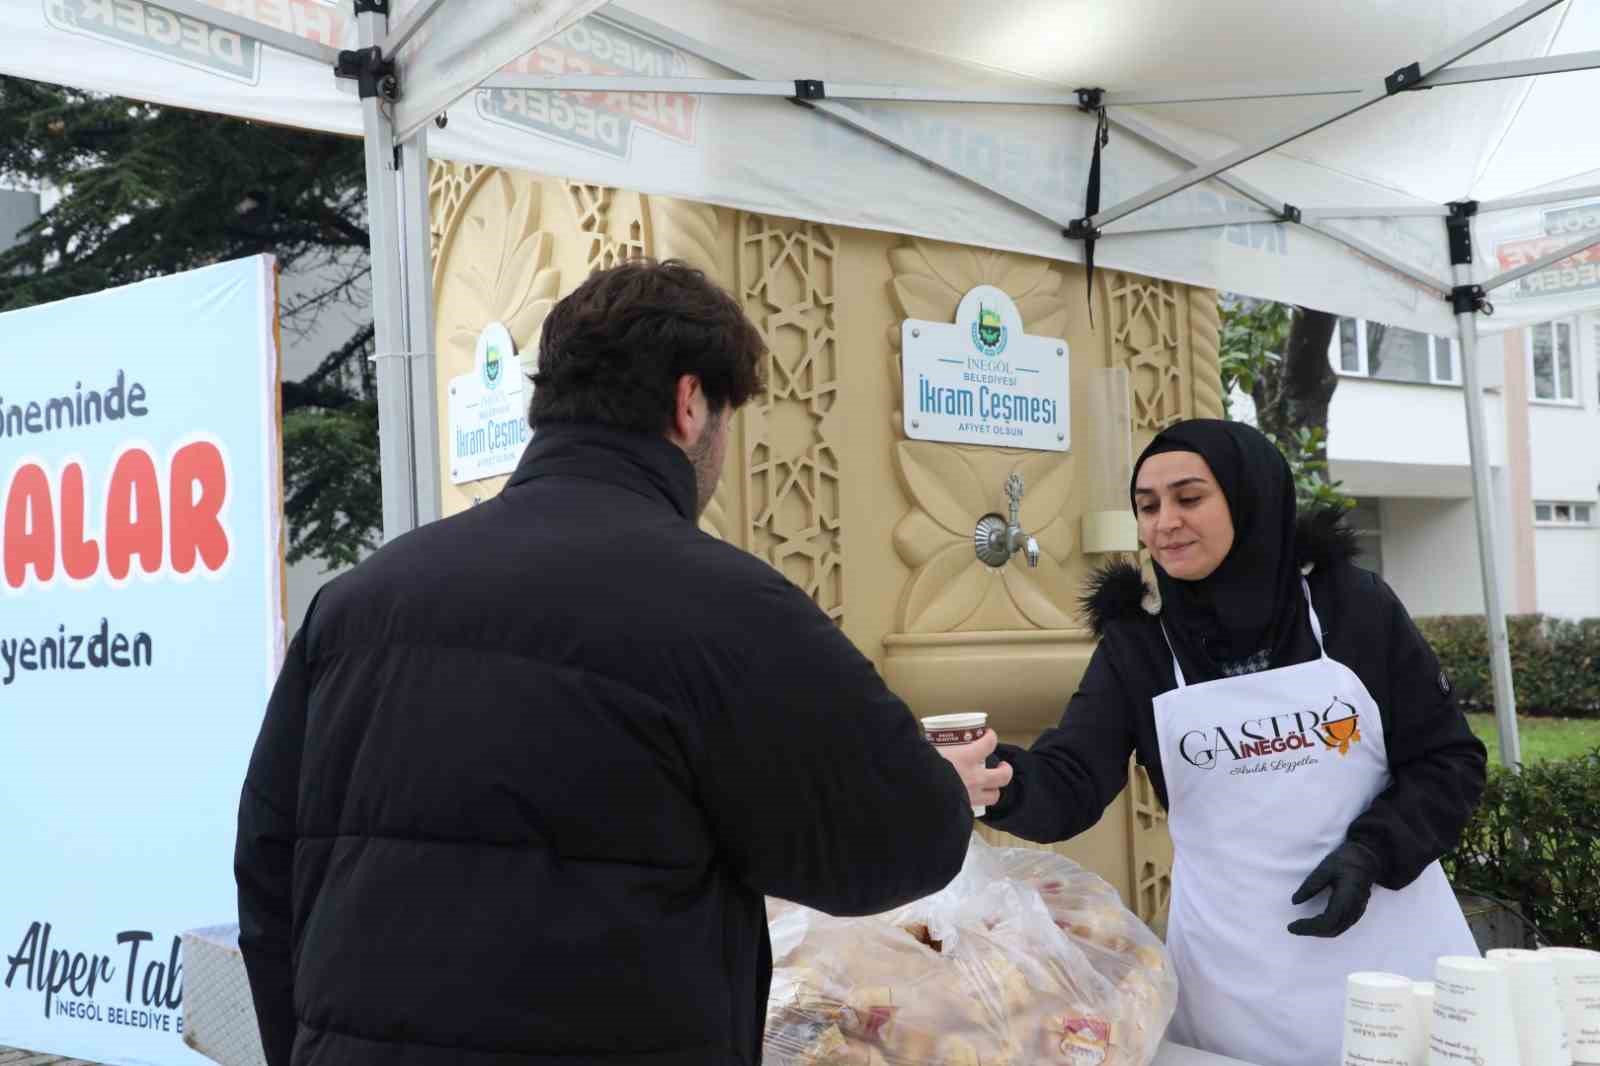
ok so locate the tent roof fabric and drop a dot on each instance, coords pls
(992, 175)
(1480, 141)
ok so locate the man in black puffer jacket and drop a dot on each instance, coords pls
(529, 771)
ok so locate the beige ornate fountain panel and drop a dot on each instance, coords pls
(822, 480)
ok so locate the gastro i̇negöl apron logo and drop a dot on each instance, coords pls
(1336, 728)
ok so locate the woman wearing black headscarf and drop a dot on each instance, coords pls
(1297, 728)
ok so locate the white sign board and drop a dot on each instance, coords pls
(983, 380)
(488, 413)
(141, 629)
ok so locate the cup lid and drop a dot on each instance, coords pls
(1466, 964)
(1517, 957)
(1375, 979)
(968, 720)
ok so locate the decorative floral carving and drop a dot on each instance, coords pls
(952, 486)
(448, 186)
(509, 279)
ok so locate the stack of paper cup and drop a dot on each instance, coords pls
(1536, 1008)
(1578, 973)
(1380, 1021)
(1471, 1015)
(1422, 999)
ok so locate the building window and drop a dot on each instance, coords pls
(1365, 519)
(1350, 346)
(1563, 513)
(1553, 362)
(1392, 353)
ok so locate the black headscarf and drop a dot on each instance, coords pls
(1250, 612)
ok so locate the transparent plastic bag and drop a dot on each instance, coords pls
(1024, 958)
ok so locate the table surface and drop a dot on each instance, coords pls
(1170, 1054)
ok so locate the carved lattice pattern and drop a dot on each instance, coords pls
(592, 205)
(1150, 851)
(1145, 332)
(786, 281)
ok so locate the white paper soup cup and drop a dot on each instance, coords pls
(1380, 1021)
(1471, 1014)
(1578, 973)
(1536, 1009)
(1422, 998)
(954, 730)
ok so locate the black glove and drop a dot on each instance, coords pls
(1350, 869)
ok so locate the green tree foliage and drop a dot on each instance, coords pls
(147, 191)
(1278, 356)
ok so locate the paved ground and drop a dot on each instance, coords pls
(15, 1057)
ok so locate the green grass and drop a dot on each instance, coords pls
(1542, 738)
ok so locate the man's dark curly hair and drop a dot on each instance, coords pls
(613, 350)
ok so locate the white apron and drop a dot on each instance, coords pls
(1265, 772)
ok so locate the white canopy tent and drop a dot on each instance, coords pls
(1403, 162)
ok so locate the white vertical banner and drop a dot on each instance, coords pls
(141, 629)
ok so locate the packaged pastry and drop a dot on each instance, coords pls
(1024, 958)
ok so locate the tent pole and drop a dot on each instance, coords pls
(781, 90)
(1150, 135)
(1319, 214)
(843, 90)
(417, 272)
(282, 40)
(1582, 244)
(1505, 704)
(395, 446)
(1451, 75)
(1230, 218)
(1536, 199)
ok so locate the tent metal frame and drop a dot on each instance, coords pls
(1511, 203)
(402, 300)
(402, 273)
(880, 92)
(281, 40)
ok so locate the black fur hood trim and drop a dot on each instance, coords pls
(1118, 590)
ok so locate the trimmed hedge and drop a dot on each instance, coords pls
(1555, 662)
(1535, 841)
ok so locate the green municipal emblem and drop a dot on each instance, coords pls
(988, 332)
(491, 366)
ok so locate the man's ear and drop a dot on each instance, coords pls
(690, 412)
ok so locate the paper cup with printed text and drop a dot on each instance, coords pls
(1471, 1015)
(954, 730)
(1578, 974)
(1422, 999)
(1536, 1009)
(1380, 1021)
